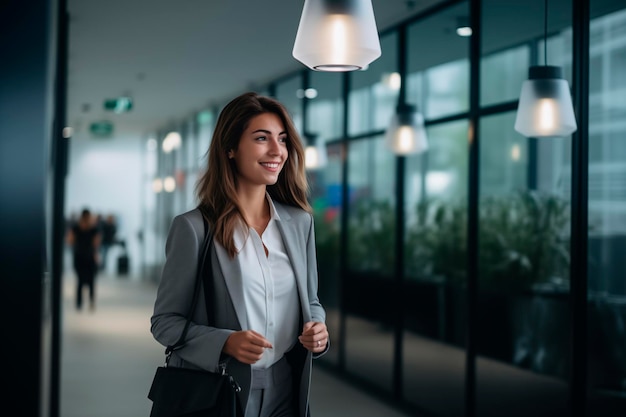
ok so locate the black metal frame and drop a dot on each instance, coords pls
(60, 156)
(579, 225)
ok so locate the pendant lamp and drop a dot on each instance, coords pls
(545, 106)
(314, 154)
(406, 133)
(337, 35)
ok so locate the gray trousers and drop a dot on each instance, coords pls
(271, 392)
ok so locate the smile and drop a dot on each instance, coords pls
(271, 165)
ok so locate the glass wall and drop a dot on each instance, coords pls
(374, 93)
(371, 224)
(435, 197)
(290, 93)
(523, 322)
(325, 123)
(607, 208)
(371, 234)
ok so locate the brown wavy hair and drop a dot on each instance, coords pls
(216, 189)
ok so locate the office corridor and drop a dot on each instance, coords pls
(109, 357)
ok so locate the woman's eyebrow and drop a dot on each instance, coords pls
(268, 132)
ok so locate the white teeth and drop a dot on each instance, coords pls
(270, 165)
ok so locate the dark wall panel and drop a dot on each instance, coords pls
(25, 131)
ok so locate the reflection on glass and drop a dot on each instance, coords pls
(523, 303)
(502, 74)
(372, 99)
(287, 94)
(438, 69)
(435, 270)
(371, 255)
(325, 110)
(607, 213)
(371, 224)
(435, 197)
(325, 198)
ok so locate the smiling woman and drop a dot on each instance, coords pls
(261, 325)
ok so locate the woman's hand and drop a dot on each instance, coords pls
(247, 346)
(314, 336)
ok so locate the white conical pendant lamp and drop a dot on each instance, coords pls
(545, 106)
(337, 35)
(406, 133)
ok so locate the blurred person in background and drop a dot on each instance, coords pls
(84, 238)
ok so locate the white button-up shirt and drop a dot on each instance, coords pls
(269, 287)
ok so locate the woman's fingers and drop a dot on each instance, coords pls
(314, 336)
(246, 346)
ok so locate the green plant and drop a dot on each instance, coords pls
(436, 243)
(522, 241)
(371, 237)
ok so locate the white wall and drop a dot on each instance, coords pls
(105, 175)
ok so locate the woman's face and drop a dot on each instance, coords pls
(262, 151)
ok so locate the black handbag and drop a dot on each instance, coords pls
(178, 392)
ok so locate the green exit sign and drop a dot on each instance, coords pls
(119, 104)
(102, 129)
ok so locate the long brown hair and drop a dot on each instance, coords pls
(216, 189)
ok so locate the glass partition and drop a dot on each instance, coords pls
(326, 199)
(371, 234)
(325, 107)
(523, 319)
(374, 93)
(502, 75)
(325, 121)
(290, 93)
(435, 271)
(607, 212)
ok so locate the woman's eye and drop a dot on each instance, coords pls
(261, 138)
(283, 139)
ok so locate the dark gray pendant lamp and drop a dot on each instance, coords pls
(337, 35)
(545, 105)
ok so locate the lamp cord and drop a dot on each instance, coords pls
(545, 32)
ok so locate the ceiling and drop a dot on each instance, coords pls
(176, 57)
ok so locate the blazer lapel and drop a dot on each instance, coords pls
(297, 255)
(231, 274)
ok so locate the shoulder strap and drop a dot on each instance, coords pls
(203, 257)
(206, 270)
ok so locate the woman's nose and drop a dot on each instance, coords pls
(275, 147)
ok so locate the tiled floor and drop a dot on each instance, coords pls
(109, 358)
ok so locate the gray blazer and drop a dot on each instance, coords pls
(203, 348)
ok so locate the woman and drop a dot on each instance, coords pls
(84, 238)
(269, 322)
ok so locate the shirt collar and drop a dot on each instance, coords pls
(242, 233)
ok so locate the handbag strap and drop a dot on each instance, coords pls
(202, 261)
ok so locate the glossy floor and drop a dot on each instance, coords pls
(109, 358)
